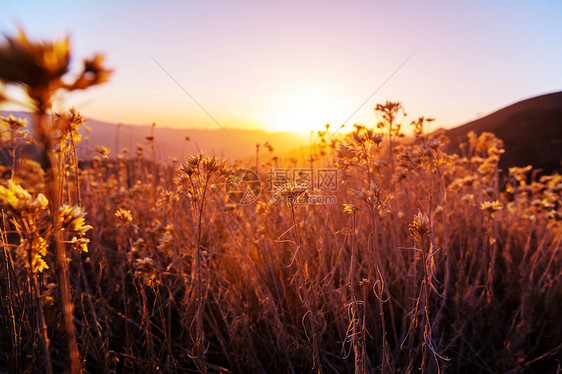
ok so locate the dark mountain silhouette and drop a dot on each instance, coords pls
(530, 129)
(172, 142)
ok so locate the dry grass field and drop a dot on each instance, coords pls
(375, 255)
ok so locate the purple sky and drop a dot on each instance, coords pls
(296, 65)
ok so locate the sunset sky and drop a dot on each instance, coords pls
(296, 65)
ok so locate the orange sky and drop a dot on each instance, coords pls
(296, 65)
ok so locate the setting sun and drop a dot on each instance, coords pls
(280, 187)
(308, 109)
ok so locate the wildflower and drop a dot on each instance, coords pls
(188, 169)
(489, 165)
(144, 264)
(103, 151)
(32, 251)
(291, 192)
(166, 241)
(349, 208)
(493, 151)
(144, 269)
(80, 244)
(18, 199)
(138, 247)
(212, 164)
(68, 125)
(15, 123)
(124, 216)
(491, 206)
(72, 218)
(191, 165)
(467, 181)
(376, 138)
(419, 228)
(520, 173)
(358, 138)
(30, 176)
(34, 63)
(365, 282)
(11, 130)
(371, 197)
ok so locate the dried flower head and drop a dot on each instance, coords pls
(33, 251)
(491, 206)
(349, 208)
(80, 244)
(291, 192)
(72, 218)
(68, 124)
(16, 198)
(124, 216)
(12, 130)
(419, 228)
(371, 197)
(102, 151)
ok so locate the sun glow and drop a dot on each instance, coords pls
(308, 109)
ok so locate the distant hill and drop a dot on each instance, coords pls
(530, 129)
(172, 143)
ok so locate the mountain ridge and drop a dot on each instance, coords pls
(531, 130)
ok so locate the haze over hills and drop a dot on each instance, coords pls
(530, 129)
(173, 143)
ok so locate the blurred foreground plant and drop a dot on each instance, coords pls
(40, 70)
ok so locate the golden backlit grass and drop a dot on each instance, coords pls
(429, 261)
(419, 260)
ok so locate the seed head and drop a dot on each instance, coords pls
(419, 228)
